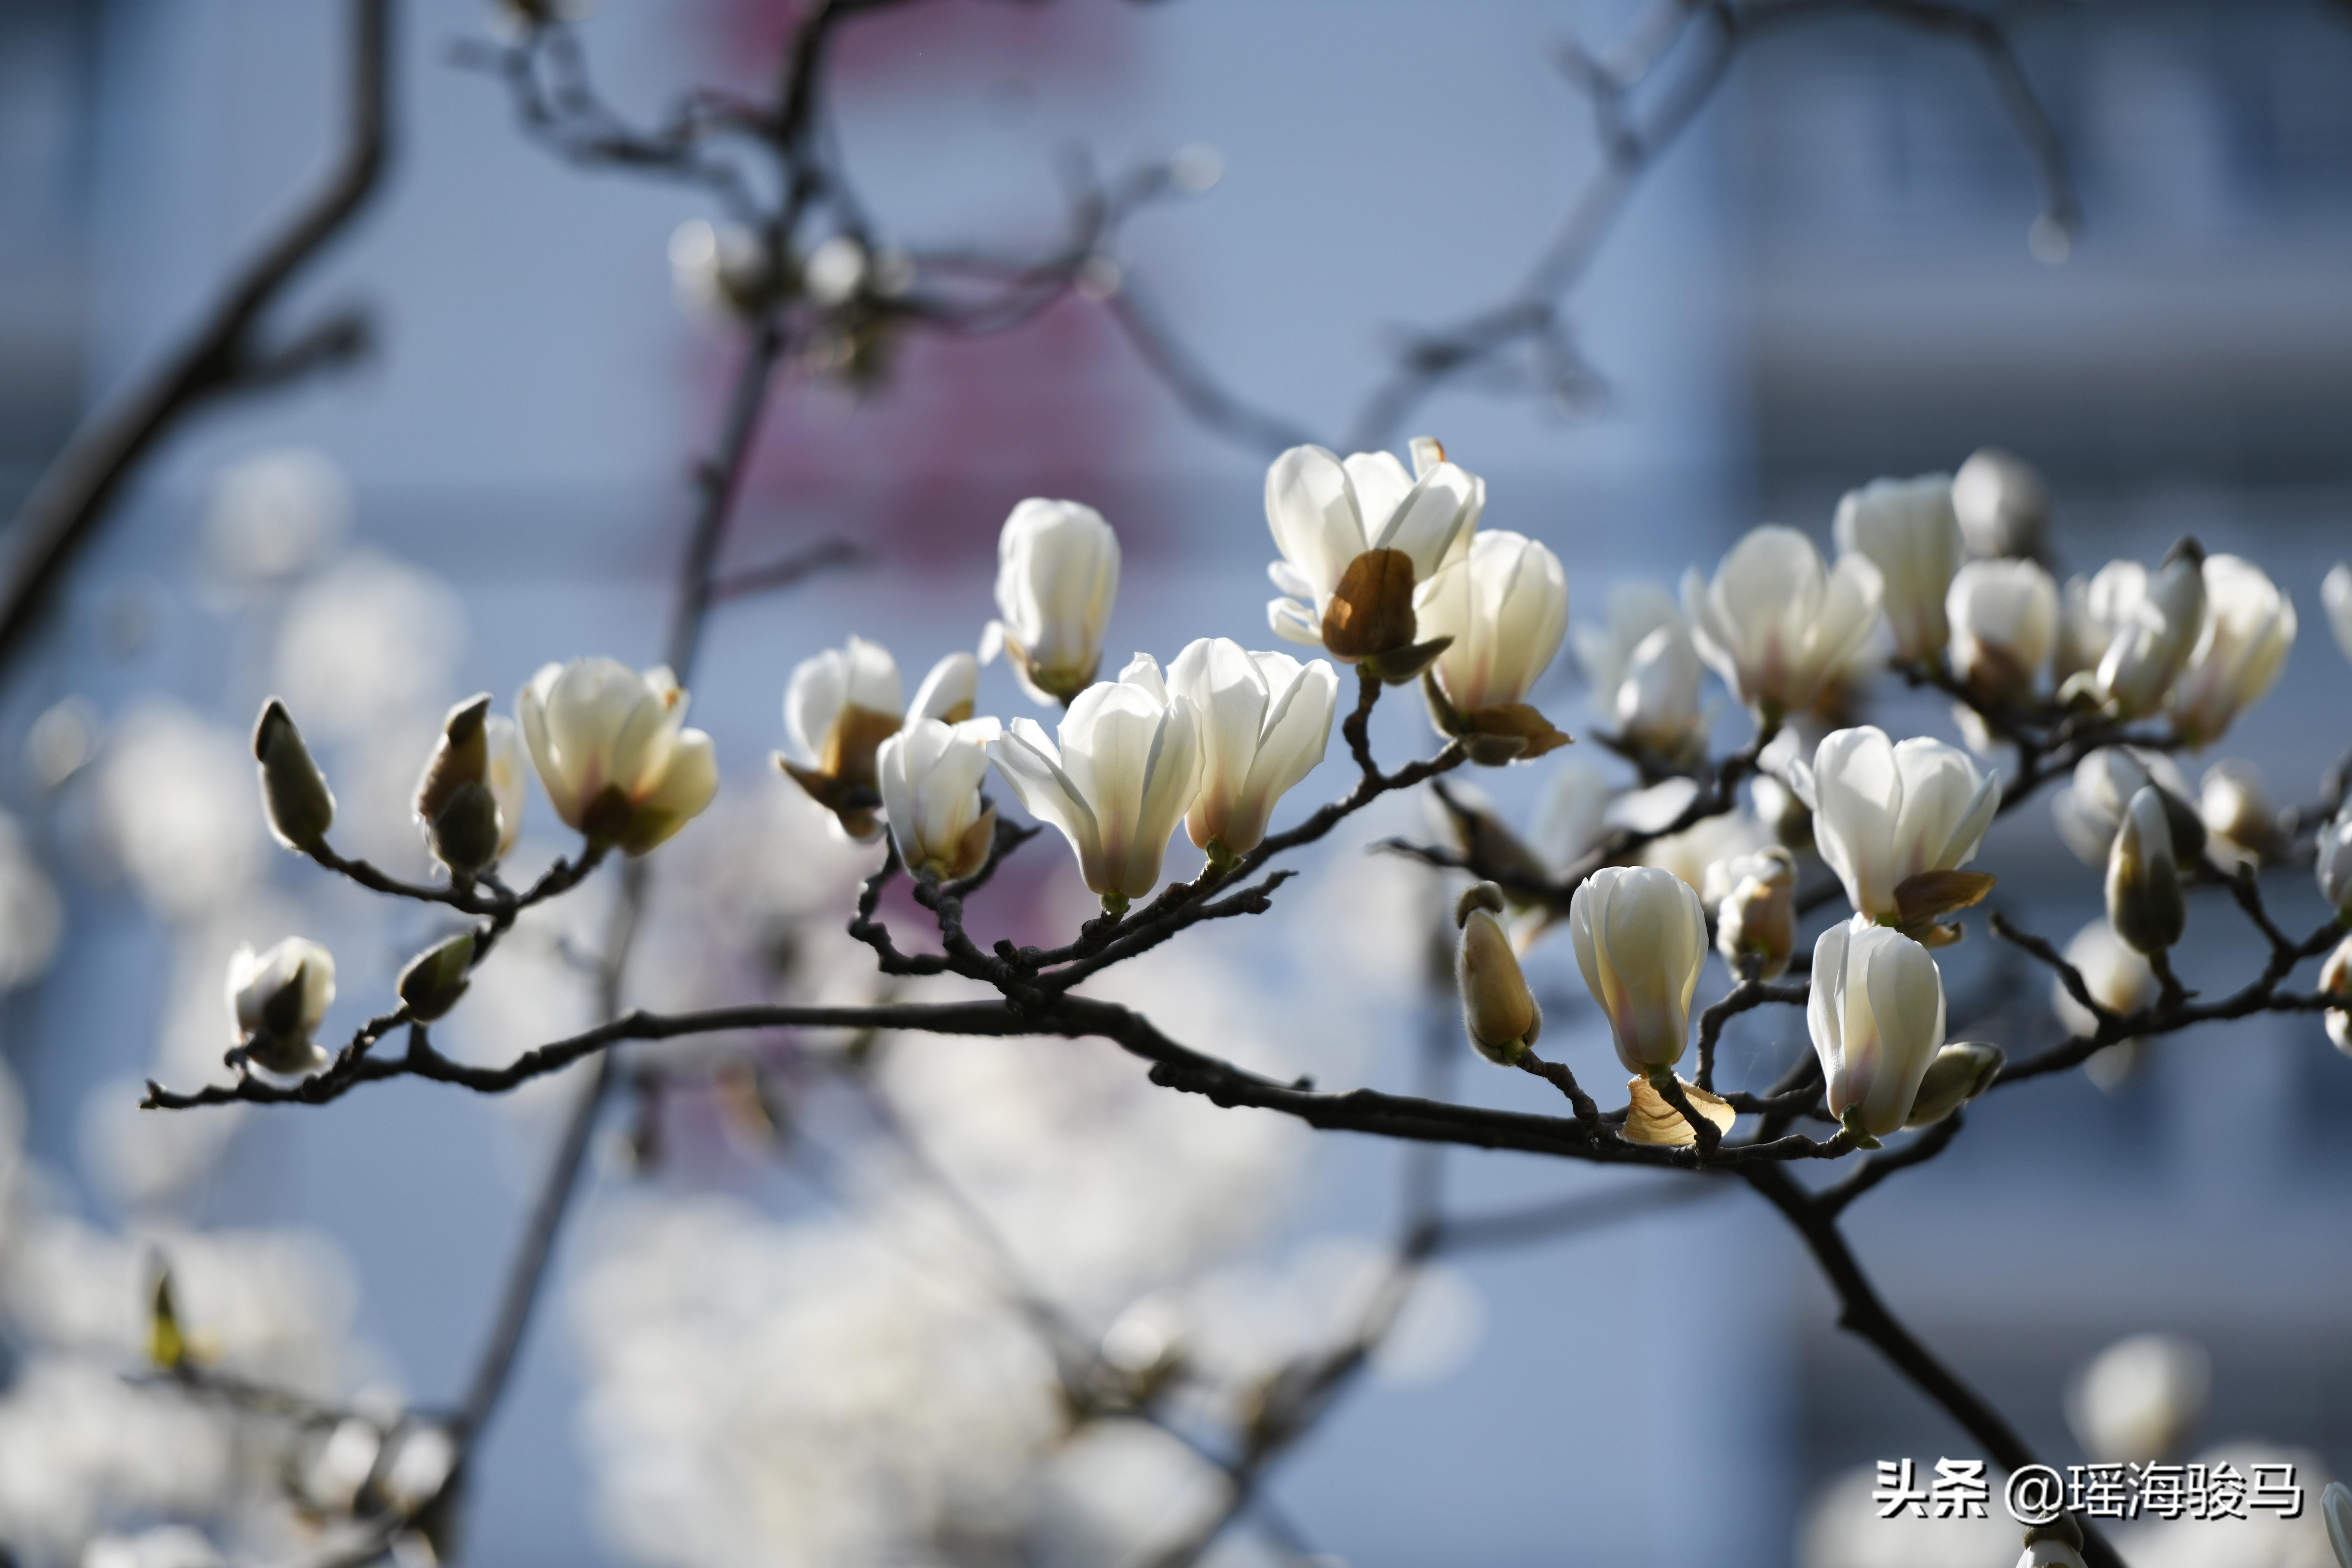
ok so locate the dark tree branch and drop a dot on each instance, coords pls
(223, 356)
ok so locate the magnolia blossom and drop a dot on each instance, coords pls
(1883, 813)
(2138, 1400)
(2004, 621)
(2118, 979)
(1125, 772)
(1572, 816)
(2335, 863)
(1755, 899)
(612, 751)
(2000, 503)
(1876, 1015)
(1327, 513)
(2335, 980)
(2144, 900)
(1498, 1011)
(1961, 1072)
(469, 799)
(2242, 826)
(841, 705)
(277, 1000)
(1776, 623)
(1640, 941)
(2249, 630)
(1056, 575)
(929, 775)
(1505, 605)
(2335, 593)
(2090, 809)
(1907, 529)
(1644, 672)
(2128, 632)
(294, 793)
(1264, 719)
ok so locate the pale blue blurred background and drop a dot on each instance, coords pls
(1828, 282)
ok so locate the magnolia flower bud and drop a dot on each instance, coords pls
(1126, 770)
(1056, 575)
(2117, 978)
(2144, 900)
(839, 707)
(469, 797)
(2335, 980)
(2153, 624)
(435, 978)
(1776, 624)
(2242, 826)
(2335, 863)
(1357, 537)
(2001, 505)
(466, 837)
(2248, 631)
(1755, 900)
(461, 756)
(1498, 1008)
(1640, 941)
(2004, 618)
(2089, 810)
(2335, 593)
(1961, 1072)
(613, 753)
(278, 999)
(930, 774)
(1644, 673)
(294, 793)
(2138, 1401)
(1265, 720)
(1877, 1016)
(1907, 529)
(1886, 812)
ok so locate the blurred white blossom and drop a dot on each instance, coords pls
(276, 514)
(367, 639)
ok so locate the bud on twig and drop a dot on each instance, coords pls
(1498, 1008)
(1755, 902)
(294, 791)
(464, 835)
(2335, 980)
(435, 978)
(1961, 1072)
(2144, 900)
(278, 999)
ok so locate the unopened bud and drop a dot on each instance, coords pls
(1755, 899)
(462, 757)
(2335, 863)
(1961, 1072)
(437, 977)
(1498, 1008)
(464, 835)
(2143, 898)
(294, 791)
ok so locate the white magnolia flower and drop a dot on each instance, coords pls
(1877, 1016)
(834, 694)
(1907, 529)
(1057, 576)
(929, 775)
(2335, 593)
(2144, 900)
(612, 751)
(1640, 941)
(1572, 816)
(948, 693)
(1644, 672)
(277, 1000)
(1264, 719)
(2089, 810)
(2335, 980)
(2249, 630)
(2002, 506)
(2117, 979)
(1124, 773)
(1884, 813)
(1754, 897)
(1326, 511)
(2131, 631)
(2138, 1401)
(1505, 604)
(2004, 621)
(2241, 824)
(1776, 623)
(2335, 862)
